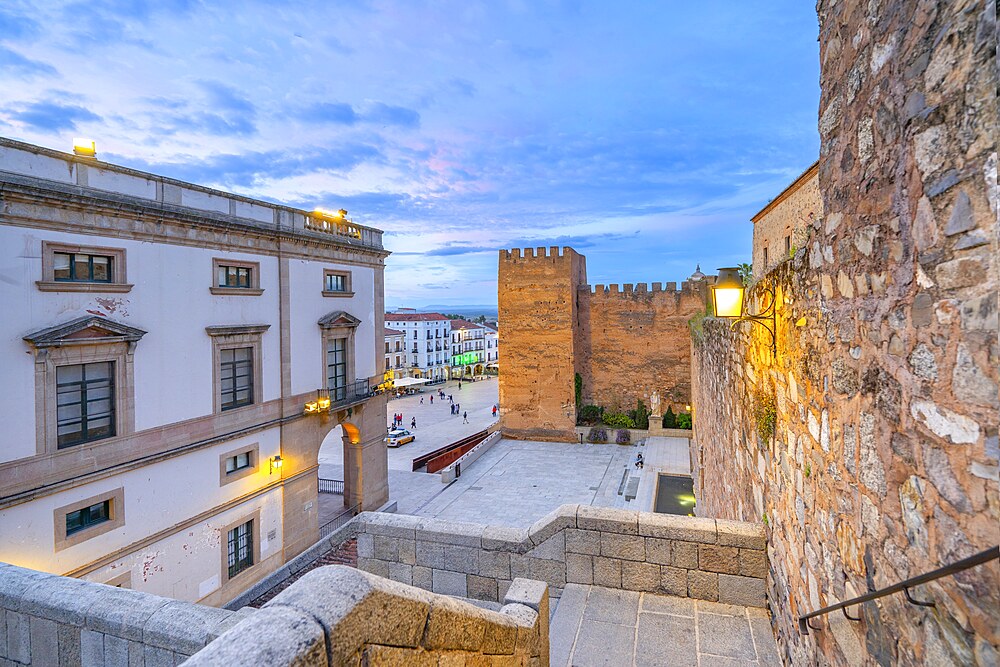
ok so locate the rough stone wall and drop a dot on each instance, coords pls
(884, 461)
(537, 312)
(789, 214)
(637, 341)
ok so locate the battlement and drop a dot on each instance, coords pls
(686, 287)
(551, 253)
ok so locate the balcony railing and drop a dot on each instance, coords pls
(331, 486)
(345, 230)
(352, 392)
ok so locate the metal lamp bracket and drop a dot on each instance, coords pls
(766, 319)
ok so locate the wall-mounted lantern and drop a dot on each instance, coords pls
(321, 404)
(84, 147)
(728, 301)
(275, 462)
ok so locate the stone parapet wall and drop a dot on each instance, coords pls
(48, 620)
(337, 615)
(706, 559)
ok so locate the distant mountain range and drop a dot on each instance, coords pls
(470, 312)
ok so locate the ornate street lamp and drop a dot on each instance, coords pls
(728, 301)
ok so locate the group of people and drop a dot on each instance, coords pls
(397, 421)
(456, 409)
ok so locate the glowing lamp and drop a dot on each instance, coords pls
(324, 403)
(84, 147)
(312, 407)
(727, 293)
(276, 462)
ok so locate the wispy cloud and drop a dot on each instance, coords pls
(51, 116)
(14, 63)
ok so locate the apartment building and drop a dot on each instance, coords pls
(426, 340)
(492, 338)
(468, 349)
(395, 352)
(173, 357)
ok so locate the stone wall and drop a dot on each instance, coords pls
(336, 615)
(625, 341)
(47, 620)
(684, 556)
(787, 215)
(537, 308)
(636, 340)
(883, 463)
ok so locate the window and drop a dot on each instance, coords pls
(765, 256)
(337, 283)
(86, 517)
(234, 277)
(236, 373)
(240, 548)
(788, 245)
(336, 368)
(85, 403)
(238, 463)
(387, 347)
(71, 268)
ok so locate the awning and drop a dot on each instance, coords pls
(406, 382)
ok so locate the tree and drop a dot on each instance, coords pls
(669, 419)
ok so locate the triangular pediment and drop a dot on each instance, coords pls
(338, 318)
(92, 328)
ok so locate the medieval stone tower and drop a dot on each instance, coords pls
(624, 341)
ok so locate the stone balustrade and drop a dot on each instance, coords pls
(337, 615)
(707, 559)
(48, 620)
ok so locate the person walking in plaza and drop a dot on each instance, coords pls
(465, 416)
(494, 410)
(413, 423)
(421, 400)
(432, 399)
(459, 384)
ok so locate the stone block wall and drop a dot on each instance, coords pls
(883, 463)
(706, 559)
(336, 615)
(788, 215)
(47, 620)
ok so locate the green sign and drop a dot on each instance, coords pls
(465, 359)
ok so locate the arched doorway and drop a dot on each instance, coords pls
(479, 369)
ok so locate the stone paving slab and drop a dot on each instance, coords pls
(599, 626)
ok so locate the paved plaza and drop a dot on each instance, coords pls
(595, 626)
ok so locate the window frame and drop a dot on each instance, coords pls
(83, 403)
(116, 519)
(253, 450)
(232, 337)
(348, 290)
(254, 520)
(234, 402)
(118, 282)
(253, 289)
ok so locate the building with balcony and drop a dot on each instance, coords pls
(492, 338)
(173, 357)
(395, 352)
(468, 349)
(426, 340)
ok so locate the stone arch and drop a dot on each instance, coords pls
(479, 370)
(352, 434)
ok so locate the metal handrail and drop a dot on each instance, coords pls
(905, 586)
(331, 486)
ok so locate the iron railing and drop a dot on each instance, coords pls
(352, 392)
(905, 586)
(336, 522)
(331, 486)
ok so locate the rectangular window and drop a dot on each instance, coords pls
(336, 368)
(234, 276)
(88, 516)
(336, 283)
(387, 347)
(765, 256)
(240, 548)
(85, 403)
(236, 374)
(240, 461)
(788, 245)
(81, 268)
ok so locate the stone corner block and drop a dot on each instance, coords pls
(451, 532)
(744, 591)
(741, 534)
(607, 520)
(559, 519)
(506, 538)
(387, 524)
(184, 627)
(271, 636)
(529, 592)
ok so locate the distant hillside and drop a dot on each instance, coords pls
(470, 312)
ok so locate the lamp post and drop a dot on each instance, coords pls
(728, 301)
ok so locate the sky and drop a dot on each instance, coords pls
(643, 134)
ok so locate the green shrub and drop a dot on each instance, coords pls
(597, 434)
(684, 420)
(578, 388)
(669, 419)
(617, 420)
(589, 415)
(640, 415)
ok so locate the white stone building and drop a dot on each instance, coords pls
(159, 344)
(468, 349)
(395, 352)
(492, 337)
(426, 337)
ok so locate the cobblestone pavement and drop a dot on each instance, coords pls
(600, 626)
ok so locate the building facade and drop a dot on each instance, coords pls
(427, 339)
(781, 227)
(395, 352)
(160, 344)
(492, 347)
(468, 349)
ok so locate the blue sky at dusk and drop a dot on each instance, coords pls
(643, 134)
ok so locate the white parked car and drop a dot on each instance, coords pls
(399, 436)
